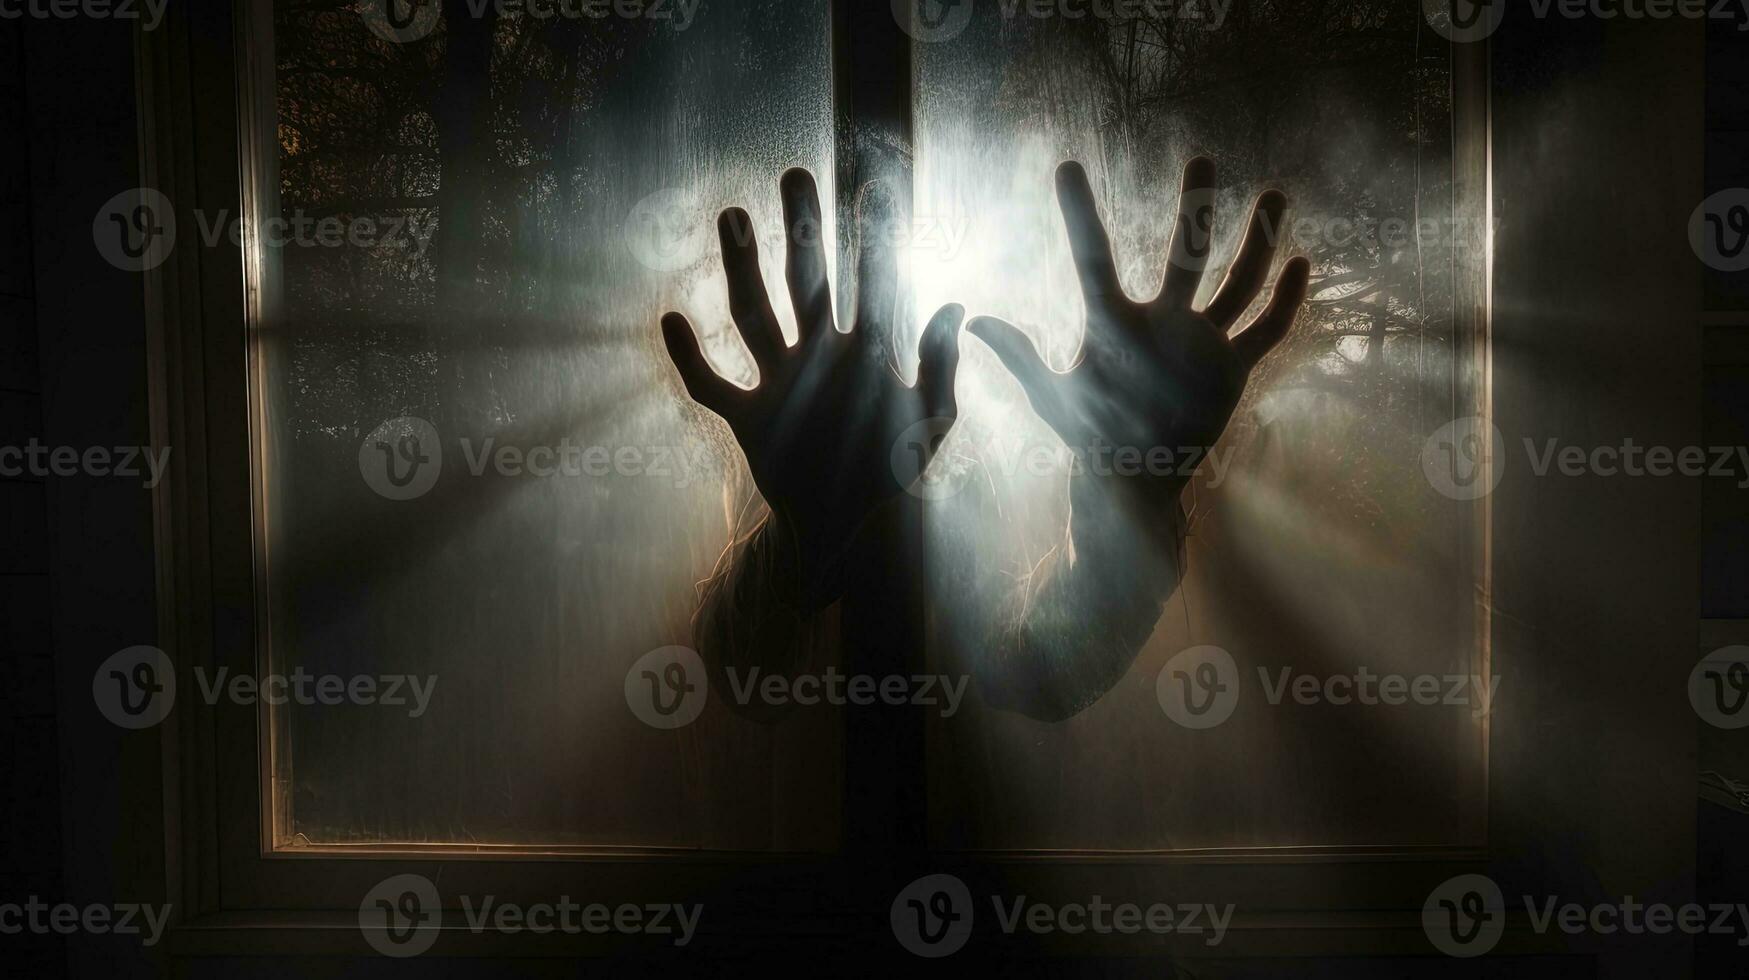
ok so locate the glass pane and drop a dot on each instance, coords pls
(1318, 545)
(478, 465)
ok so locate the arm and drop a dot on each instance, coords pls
(1154, 374)
(815, 429)
(1051, 644)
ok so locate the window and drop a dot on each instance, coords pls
(535, 192)
(529, 321)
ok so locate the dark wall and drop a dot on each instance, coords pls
(30, 860)
(76, 568)
(1725, 579)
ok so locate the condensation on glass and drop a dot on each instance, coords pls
(538, 191)
(1318, 545)
(523, 197)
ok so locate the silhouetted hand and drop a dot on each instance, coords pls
(819, 426)
(1159, 373)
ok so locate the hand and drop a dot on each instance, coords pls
(819, 426)
(1160, 373)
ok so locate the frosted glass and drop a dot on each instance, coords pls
(560, 181)
(1324, 548)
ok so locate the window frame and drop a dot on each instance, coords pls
(240, 896)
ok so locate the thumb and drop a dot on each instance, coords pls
(1022, 360)
(938, 361)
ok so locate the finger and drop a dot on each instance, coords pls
(749, 304)
(704, 384)
(938, 361)
(1087, 238)
(1020, 357)
(1256, 253)
(1193, 236)
(877, 269)
(805, 268)
(1278, 317)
